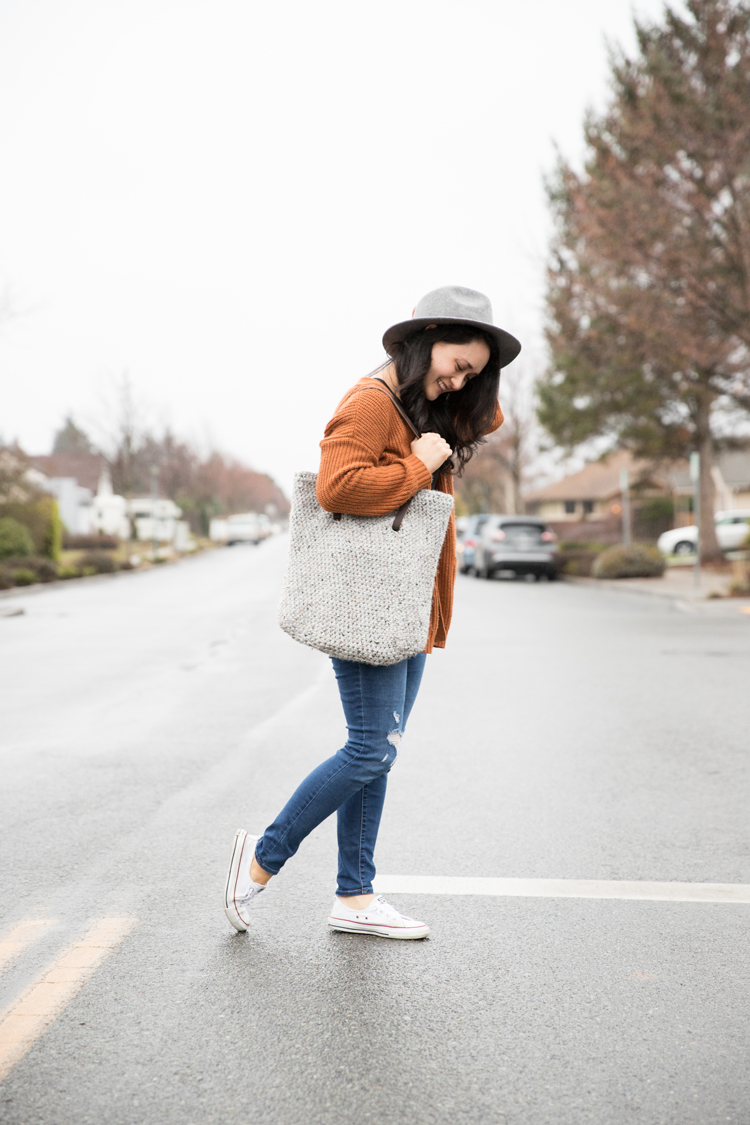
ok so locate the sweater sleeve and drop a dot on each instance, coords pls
(351, 478)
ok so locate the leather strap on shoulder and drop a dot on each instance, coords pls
(397, 403)
(385, 389)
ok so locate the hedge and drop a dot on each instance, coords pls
(44, 570)
(97, 562)
(42, 520)
(15, 540)
(637, 561)
(90, 542)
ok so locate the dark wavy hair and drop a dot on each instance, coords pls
(460, 417)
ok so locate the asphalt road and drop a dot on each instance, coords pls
(566, 733)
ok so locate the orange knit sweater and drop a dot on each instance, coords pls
(367, 468)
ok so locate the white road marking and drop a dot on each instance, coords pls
(13, 945)
(27, 1018)
(561, 888)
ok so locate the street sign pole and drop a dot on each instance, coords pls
(625, 492)
(695, 477)
(154, 498)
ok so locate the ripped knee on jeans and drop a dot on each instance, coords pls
(394, 737)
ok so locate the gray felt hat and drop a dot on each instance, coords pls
(454, 305)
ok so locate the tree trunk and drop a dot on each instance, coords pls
(710, 549)
(515, 480)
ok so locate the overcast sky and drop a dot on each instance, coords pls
(231, 200)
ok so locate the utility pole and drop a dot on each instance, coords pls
(154, 498)
(695, 477)
(625, 491)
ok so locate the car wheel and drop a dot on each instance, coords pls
(484, 571)
(684, 547)
(552, 575)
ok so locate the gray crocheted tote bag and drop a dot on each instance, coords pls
(360, 587)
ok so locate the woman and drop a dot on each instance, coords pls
(444, 368)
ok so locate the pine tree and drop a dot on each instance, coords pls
(649, 283)
(70, 438)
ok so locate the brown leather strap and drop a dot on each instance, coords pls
(397, 403)
(399, 517)
(396, 525)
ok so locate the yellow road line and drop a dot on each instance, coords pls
(24, 1021)
(12, 946)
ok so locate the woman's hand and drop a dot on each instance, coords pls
(432, 450)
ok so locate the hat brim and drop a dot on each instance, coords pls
(508, 345)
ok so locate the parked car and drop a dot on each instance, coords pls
(732, 530)
(521, 544)
(246, 527)
(466, 536)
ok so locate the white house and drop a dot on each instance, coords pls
(74, 503)
(87, 512)
(110, 511)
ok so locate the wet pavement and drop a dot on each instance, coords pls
(566, 733)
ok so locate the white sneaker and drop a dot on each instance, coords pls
(240, 890)
(379, 918)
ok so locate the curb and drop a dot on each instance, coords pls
(684, 596)
(57, 583)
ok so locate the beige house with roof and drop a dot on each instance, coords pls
(594, 493)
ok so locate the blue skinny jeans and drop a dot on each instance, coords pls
(377, 702)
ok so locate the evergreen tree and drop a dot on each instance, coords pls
(70, 438)
(649, 283)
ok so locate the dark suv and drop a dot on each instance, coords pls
(522, 544)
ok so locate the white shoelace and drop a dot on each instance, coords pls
(255, 889)
(388, 909)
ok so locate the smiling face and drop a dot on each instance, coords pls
(452, 365)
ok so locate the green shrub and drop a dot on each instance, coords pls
(577, 563)
(6, 581)
(42, 520)
(656, 508)
(68, 572)
(629, 562)
(90, 542)
(652, 517)
(44, 569)
(15, 540)
(23, 577)
(88, 571)
(53, 531)
(101, 561)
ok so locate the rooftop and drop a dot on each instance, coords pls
(600, 480)
(85, 467)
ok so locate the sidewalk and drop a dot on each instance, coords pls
(678, 583)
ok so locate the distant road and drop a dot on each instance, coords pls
(569, 738)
